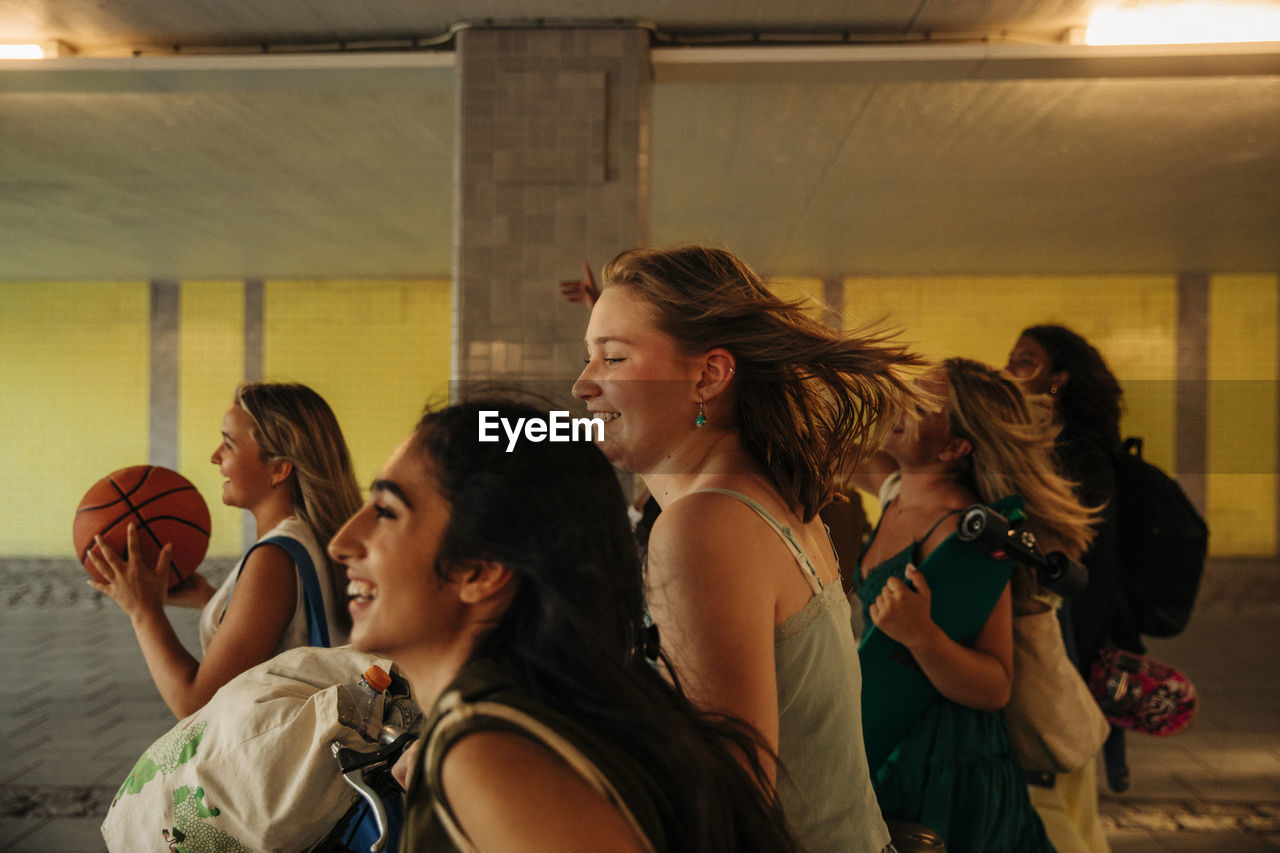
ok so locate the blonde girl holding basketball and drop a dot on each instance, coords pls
(285, 462)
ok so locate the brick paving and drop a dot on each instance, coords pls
(77, 707)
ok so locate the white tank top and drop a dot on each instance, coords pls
(295, 634)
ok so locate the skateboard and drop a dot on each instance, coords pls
(1139, 693)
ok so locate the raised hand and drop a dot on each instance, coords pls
(584, 290)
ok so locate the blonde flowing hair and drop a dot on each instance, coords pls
(808, 401)
(1013, 453)
(293, 423)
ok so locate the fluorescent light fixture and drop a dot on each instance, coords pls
(21, 51)
(37, 50)
(1184, 23)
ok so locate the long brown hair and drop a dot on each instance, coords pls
(1012, 440)
(292, 422)
(809, 400)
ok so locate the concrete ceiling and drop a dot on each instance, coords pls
(908, 145)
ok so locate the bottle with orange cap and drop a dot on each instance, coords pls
(358, 702)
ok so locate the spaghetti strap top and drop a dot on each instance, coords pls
(925, 538)
(787, 534)
(914, 547)
(823, 783)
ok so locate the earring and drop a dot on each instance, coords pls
(702, 414)
(1053, 389)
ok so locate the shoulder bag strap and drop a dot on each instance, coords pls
(440, 740)
(313, 600)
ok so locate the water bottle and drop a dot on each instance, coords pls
(357, 702)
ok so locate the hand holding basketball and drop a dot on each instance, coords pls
(194, 591)
(164, 506)
(135, 586)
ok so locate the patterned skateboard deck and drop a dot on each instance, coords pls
(1136, 692)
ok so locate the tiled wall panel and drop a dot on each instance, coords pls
(552, 170)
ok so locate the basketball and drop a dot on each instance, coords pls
(164, 507)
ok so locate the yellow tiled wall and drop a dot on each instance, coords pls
(210, 365)
(376, 350)
(74, 378)
(807, 290)
(1132, 320)
(75, 372)
(1241, 464)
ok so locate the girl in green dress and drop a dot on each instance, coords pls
(937, 653)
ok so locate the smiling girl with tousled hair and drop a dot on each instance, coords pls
(738, 410)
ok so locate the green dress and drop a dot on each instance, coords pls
(934, 762)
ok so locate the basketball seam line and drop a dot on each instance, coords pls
(143, 522)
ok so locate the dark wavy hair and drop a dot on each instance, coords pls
(809, 400)
(574, 635)
(1091, 397)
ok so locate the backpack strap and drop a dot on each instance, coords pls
(313, 600)
(458, 717)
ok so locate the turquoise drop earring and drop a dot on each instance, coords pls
(702, 414)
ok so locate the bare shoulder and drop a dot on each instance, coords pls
(268, 579)
(268, 558)
(546, 806)
(481, 760)
(716, 532)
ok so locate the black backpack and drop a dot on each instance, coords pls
(1162, 544)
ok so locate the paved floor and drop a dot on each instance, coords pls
(1216, 785)
(77, 708)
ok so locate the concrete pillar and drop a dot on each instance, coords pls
(255, 308)
(1192, 399)
(552, 169)
(833, 295)
(255, 300)
(166, 302)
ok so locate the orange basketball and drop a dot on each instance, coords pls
(164, 507)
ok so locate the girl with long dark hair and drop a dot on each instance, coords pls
(507, 586)
(1065, 369)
